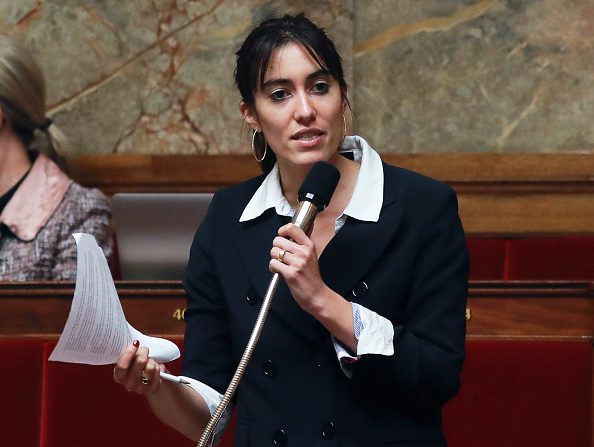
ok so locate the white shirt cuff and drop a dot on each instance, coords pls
(212, 399)
(375, 335)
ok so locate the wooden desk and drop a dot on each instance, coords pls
(40, 309)
(518, 310)
(556, 310)
(498, 194)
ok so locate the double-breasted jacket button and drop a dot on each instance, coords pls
(252, 297)
(321, 359)
(328, 431)
(279, 438)
(269, 368)
(360, 290)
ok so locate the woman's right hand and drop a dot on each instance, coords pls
(136, 371)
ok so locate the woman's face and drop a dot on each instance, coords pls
(299, 109)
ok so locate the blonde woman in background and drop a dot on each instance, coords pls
(40, 205)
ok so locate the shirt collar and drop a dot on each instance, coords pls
(36, 199)
(366, 201)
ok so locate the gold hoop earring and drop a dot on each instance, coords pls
(259, 160)
(344, 129)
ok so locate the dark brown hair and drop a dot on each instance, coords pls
(253, 57)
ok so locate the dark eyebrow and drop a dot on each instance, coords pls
(315, 74)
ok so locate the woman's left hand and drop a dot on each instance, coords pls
(293, 256)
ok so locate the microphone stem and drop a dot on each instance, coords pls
(305, 215)
(247, 355)
(303, 218)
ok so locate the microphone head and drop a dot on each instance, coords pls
(319, 184)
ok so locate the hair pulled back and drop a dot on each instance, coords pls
(254, 55)
(23, 98)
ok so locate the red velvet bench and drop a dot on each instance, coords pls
(523, 393)
(514, 393)
(507, 258)
(21, 395)
(55, 404)
(536, 258)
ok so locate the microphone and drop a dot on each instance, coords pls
(315, 193)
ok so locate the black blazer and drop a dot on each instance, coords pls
(410, 267)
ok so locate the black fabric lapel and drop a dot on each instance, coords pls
(254, 240)
(359, 244)
(343, 263)
(355, 249)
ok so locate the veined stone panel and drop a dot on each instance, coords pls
(502, 76)
(152, 76)
(425, 76)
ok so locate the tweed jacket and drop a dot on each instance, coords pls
(410, 267)
(37, 223)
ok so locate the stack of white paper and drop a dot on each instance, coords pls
(96, 331)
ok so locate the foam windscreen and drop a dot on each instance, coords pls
(319, 184)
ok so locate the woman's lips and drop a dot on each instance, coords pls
(308, 138)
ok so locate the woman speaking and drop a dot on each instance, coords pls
(364, 342)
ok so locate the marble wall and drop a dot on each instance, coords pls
(476, 76)
(155, 76)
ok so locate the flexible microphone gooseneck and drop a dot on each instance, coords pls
(314, 195)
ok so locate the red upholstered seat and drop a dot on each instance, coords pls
(82, 405)
(518, 394)
(540, 258)
(21, 392)
(486, 258)
(514, 394)
(554, 258)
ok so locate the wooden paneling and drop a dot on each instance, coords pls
(514, 310)
(527, 213)
(519, 310)
(557, 310)
(162, 173)
(499, 194)
(499, 167)
(40, 309)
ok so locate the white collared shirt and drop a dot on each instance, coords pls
(366, 200)
(374, 333)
